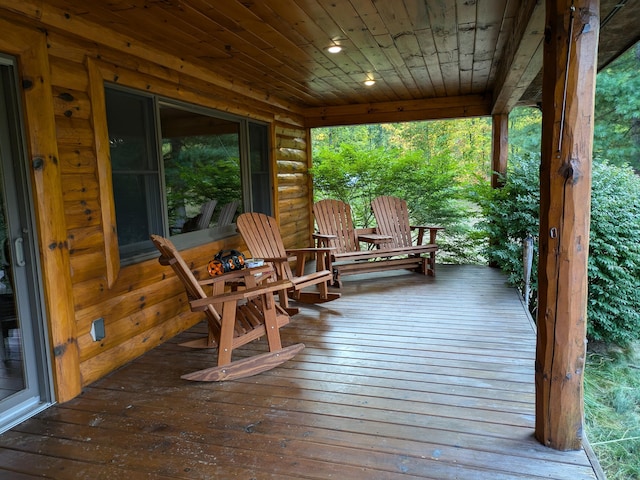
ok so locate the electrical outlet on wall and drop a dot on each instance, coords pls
(97, 329)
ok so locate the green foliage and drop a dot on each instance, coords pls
(354, 175)
(512, 212)
(198, 169)
(525, 131)
(612, 409)
(428, 179)
(614, 255)
(617, 111)
(509, 215)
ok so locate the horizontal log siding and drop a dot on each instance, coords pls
(146, 305)
(294, 192)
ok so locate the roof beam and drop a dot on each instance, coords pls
(522, 59)
(403, 111)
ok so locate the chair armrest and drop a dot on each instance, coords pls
(433, 230)
(270, 287)
(324, 236)
(310, 250)
(375, 238)
(426, 227)
(322, 239)
(236, 274)
(365, 231)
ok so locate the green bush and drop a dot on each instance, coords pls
(356, 175)
(511, 213)
(614, 255)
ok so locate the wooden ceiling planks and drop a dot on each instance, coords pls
(276, 50)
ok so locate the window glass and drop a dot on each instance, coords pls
(260, 173)
(136, 181)
(201, 156)
(181, 171)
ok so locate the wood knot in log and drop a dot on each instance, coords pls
(571, 170)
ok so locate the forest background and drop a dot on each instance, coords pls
(443, 170)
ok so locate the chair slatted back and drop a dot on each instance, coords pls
(227, 212)
(333, 217)
(262, 236)
(206, 213)
(392, 218)
(170, 256)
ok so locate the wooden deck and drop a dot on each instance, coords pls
(405, 376)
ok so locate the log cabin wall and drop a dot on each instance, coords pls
(142, 305)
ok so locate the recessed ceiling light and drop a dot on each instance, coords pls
(369, 82)
(334, 49)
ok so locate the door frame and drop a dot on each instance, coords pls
(36, 366)
(29, 46)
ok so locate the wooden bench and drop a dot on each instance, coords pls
(335, 229)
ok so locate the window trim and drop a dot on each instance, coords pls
(200, 237)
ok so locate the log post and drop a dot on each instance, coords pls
(499, 155)
(499, 148)
(571, 40)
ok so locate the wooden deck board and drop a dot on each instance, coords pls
(405, 376)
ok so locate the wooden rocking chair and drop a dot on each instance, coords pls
(246, 315)
(392, 218)
(262, 236)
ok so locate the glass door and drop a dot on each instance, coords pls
(23, 362)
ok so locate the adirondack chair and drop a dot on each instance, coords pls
(227, 213)
(206, 213)
(202, 220)
(234, 317)
(336, 229)
(262, 236)
(335, 226)
(392, 218)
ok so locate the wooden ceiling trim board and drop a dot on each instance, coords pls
(466, 40)
(434, 108)
(481, 72)
(369, 13)
(398, 116)
(516, 68)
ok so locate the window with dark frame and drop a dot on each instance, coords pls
(182, 171)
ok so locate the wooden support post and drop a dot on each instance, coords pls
(499, 155)
(499, 148)
(571, 40)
